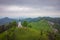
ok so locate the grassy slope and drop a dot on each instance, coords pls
(27, 34)
(41, 25)
(20, 34)
(33, 33)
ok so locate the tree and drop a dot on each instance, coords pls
(13, 23)
(25, 24)
(30, 25)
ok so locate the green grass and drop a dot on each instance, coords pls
(41, 25)
(37, 32)
(20, 34)
(2, 36)
(27, 34)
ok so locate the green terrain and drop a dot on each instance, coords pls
(40, 30)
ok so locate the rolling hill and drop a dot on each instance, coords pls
(5, 20)
(41, 25)
(40, 30)
(20, 34)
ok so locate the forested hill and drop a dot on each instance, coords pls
(40, 30)
(6, 20)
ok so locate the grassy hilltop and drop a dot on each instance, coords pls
(39, 31)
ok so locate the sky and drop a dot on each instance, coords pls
(29, 8)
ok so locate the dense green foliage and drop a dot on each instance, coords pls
(25, 23)
(7, 26)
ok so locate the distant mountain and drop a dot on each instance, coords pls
(5, 20)
(32, 19)
(55, 20)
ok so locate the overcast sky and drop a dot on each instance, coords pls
(29, 8)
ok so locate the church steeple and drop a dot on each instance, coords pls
(19, 20)
(19, 23)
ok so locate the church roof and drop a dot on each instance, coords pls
(19, 20)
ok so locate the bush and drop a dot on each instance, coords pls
(25, 24)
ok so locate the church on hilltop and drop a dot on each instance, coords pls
(19, 23)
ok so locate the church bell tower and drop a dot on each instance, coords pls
(19, 23)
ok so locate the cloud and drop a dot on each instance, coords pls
(17, 8)
(32, 14)
(29, 8)
(33, 3)
(14, 8)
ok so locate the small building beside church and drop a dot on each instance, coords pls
(19, 23)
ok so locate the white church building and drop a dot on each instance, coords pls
(19, 23)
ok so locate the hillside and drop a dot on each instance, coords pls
(40, 30)
(41, 25)
(20, 34)
(5, 20)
